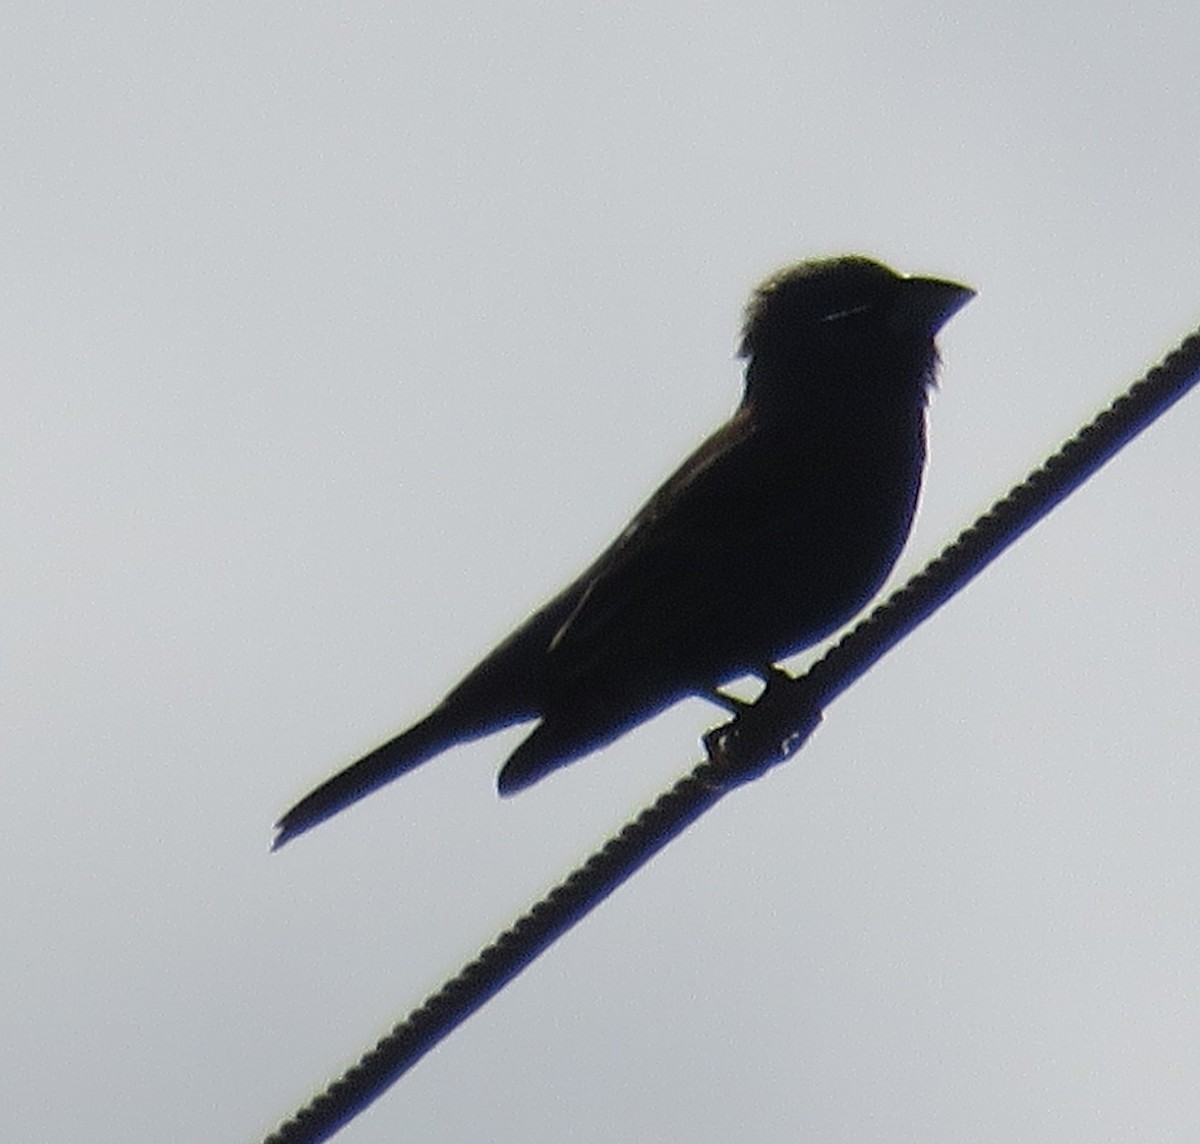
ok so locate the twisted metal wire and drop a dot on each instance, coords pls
(761, 736)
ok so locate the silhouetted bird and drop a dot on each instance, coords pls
(774, 532)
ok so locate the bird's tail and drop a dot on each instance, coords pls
(439, 730)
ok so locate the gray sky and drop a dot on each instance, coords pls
(334, 338)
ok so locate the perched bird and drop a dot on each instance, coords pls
(773, 533)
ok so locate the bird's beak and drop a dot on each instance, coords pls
(928, 304)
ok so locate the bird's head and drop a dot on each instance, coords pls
(835, 301)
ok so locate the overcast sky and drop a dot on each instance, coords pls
(333, 338)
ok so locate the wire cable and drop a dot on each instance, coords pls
(761, 736)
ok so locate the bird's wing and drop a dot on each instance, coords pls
(640, 586)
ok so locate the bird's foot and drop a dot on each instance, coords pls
(762, 734)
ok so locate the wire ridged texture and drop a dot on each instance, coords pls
(760, 737)
(501, 961)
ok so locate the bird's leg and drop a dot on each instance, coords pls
(769, 673)
(772, 675)
(714, 740)
(731, 703)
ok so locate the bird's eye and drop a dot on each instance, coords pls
(837, 315)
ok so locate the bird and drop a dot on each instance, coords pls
(771, 535)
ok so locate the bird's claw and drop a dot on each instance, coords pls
(762, 734)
